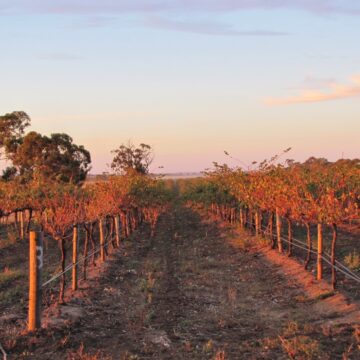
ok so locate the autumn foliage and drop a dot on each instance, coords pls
(316, 192)
(109, 209)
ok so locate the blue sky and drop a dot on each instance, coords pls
(190, 78)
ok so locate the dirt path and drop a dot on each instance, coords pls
(192, 292)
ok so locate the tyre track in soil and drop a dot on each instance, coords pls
(188, 293)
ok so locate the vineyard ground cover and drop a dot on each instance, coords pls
(14, 273)
(348, 243)
(194, 291)
(344, 302)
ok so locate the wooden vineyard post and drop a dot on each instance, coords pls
(278, 230)
(257, 223)
(309, 246)
(117, 231)
(16, 220)
(333, 256)
(102, 241)
(22, 233)
(271, 230)
(86, 245)
(35, 270)
(75, 259)
(290, 237)
(241, 218)
(320, 250)
(123, 225)
(127, 224)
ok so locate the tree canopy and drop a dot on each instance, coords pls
(35, 156)
(131, 158)
(12, 128)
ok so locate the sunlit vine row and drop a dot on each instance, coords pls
(316, 192)
(56, 209)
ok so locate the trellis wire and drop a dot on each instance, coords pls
(342, 269)
(70, 266)
(325, 256)
(3, 352)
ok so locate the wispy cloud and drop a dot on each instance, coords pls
(110, 6)
(334, 91)
(205, 28)
(313, 83)
(165, 14)
(60, 57)
(96, 21)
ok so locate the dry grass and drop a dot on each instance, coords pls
(10, 238)
(352, 260)
(232, 295)
(9, 289)
(301, 347)
(8, 275)
(220, 355)
(80, 354)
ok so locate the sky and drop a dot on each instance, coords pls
(190, 78)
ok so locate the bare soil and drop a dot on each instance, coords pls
(197, 290)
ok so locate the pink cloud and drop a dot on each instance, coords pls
(60, 57)
(205, 28)
(124, 6)
(164, 13)
(334, 91)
